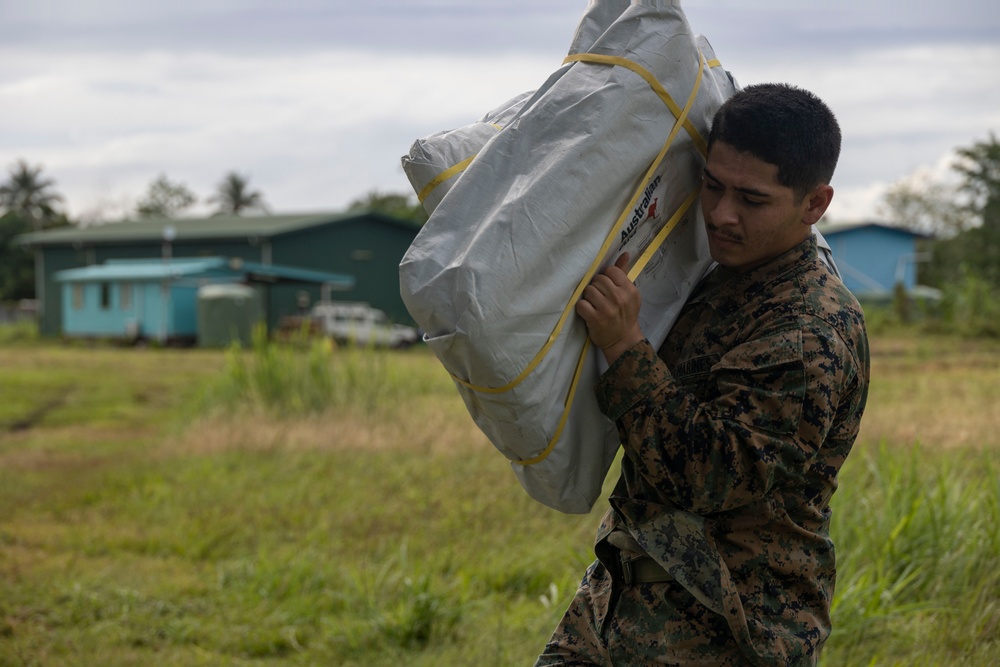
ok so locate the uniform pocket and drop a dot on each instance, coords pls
(762, 383)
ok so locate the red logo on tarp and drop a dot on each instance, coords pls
(644, 205)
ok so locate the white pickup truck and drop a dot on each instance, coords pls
(360, 324)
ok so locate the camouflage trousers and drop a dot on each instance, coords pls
(609, 624)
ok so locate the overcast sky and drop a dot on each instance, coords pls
(316, 100)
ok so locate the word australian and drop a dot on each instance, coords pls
(640, 210)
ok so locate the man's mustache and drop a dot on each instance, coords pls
(724, 234)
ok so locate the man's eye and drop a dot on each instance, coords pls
(714, 187)
(752, 202)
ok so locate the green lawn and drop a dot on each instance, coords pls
(145, 519)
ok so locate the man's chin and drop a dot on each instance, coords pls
(723, 252)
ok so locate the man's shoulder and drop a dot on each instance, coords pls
(831, 312)
(813, 299)
(810, 288)
(822, 291)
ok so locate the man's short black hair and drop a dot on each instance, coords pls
(782, 125)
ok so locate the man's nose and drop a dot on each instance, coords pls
(722, 211)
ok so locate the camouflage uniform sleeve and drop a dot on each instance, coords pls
(766, 410)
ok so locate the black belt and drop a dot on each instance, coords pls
(642, 570)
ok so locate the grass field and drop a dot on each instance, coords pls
(159, 507)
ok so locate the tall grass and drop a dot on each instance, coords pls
(305, 376)
(24, 331)
(336, 506)
(919, 543)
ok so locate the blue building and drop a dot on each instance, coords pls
(367, 246)
(158, 298)
(873, 258)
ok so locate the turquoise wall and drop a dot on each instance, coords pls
(91, 318)
(871, 258)
(156, 316)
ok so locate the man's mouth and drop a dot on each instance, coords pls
(722, 236)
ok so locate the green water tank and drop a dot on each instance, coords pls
(227, 313)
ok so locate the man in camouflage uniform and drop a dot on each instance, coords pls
(716, 549)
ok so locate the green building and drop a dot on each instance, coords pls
(365, 246)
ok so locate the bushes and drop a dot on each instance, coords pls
(304, 376)
(969, 308)
(24, 331)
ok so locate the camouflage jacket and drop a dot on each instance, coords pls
(733, 435)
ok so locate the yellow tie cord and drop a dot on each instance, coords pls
(634, 272)
(681, 116)
(657, 87)
(456, 169)
(442, 177)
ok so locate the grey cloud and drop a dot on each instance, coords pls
(186, 128)
(470, 25)
(257, 26)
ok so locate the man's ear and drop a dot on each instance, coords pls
(816, 204)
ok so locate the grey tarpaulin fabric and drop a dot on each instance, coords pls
(604, 157)
(435, 162)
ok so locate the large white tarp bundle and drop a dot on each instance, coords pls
(530, 202)
(434, 162)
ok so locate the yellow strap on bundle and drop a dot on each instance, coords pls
(461, 166)
(657, 87)
(632, 274)
(682, 121)
(442, 177)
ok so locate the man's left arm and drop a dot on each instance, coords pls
(773, 402)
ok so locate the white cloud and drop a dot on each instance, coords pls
(856, 203)
(317, 127)
(289, 121)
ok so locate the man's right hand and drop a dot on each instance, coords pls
(610, 307)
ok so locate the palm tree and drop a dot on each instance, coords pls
(165, 199)
(233, 196)
(28, 195)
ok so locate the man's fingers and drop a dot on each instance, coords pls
(604, 294)
(595, 292)
(618, 272)
(601, 283)
(604, 288)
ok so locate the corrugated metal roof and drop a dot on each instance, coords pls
(145, 269)
(276, 272)
(185, 229)
(834, 228)
(139, 270)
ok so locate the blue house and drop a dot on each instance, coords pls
(367, 246)
(158, 298)
(873, 257)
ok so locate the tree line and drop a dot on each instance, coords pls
(167, 199)
(960, 213)
(30, 202)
